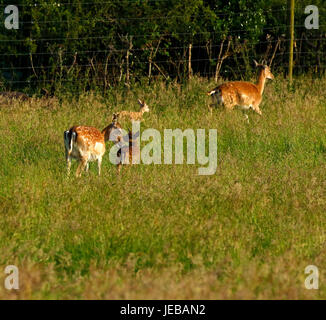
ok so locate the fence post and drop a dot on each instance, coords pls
(291, 40)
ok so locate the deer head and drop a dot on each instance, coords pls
(265, 70)
(143, 106)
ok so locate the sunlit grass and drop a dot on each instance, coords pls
(162, 231)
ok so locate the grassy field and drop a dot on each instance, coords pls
(162, 231)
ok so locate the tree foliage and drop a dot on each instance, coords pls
(79, 44)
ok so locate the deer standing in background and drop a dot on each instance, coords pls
(244, 94)
(86, 144)
(133, 115)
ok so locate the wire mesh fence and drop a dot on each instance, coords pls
(105, 43)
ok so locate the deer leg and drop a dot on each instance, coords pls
(87, 167)
(247, 118)
(81, 167)
(210, 108)
(99, 163)
(68, 159)
(119, 167)
(258, 110)
(245, 115)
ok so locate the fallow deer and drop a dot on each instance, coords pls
(86, 144)
(133, 115)
(112, 129)
(244, 94)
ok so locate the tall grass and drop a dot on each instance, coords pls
(162, 231)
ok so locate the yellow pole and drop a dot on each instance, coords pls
(291, 41)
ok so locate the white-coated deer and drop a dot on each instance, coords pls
(244, 94)
(133, 115)
(86, 144)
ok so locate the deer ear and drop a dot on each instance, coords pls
(140, 102)
(256, 63)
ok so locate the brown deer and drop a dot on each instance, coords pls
(86, 144)
(112, 129)
(244, 94)
(133, 115)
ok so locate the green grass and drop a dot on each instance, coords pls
(162, 231)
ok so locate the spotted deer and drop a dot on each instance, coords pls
(87, 144)
(244, 94)
(134, 115)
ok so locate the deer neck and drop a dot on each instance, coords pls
(104, 133)
(261, 82)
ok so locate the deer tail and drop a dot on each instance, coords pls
(70, 137)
